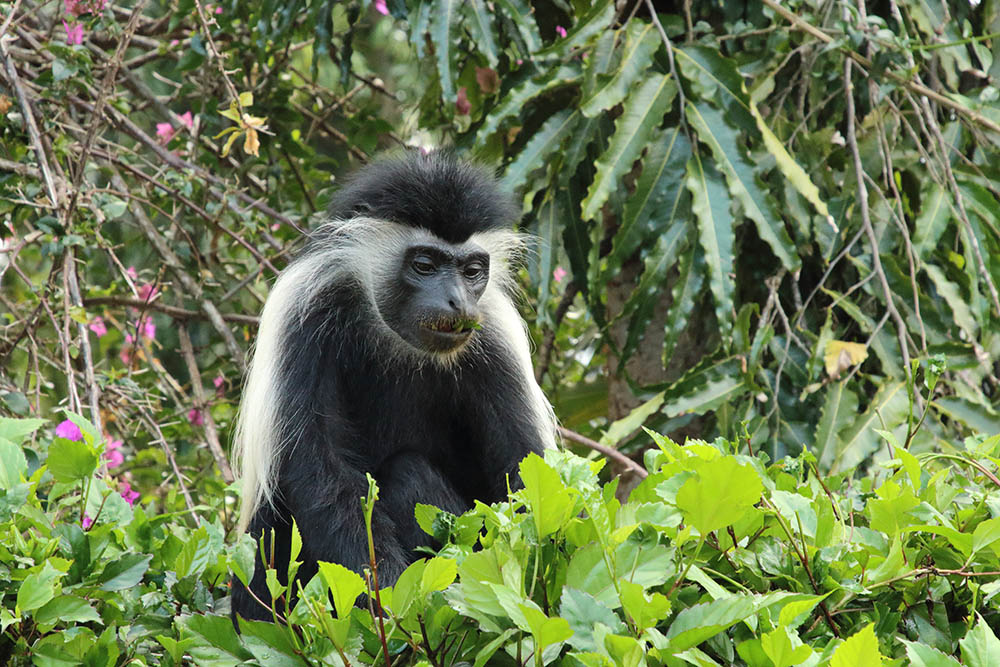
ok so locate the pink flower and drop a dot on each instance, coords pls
(148, 328)
(69, 430)
(381, 7)
(218, 10)
(148, 292)
(194, 416)
(559, 274)
(165, 132)
(174, 42)
(75, 7)
(462, 104)
(187, 119)
(74, 33)
(561, 31)
(111, 454)
(87, 522)
(98, 327)
(218, 381)
(130, 496)
(131, 272)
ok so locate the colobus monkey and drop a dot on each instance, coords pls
(390, 346)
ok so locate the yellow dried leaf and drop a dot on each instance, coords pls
(841, 355)
(252, 144)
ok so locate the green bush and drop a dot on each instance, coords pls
(716, 558)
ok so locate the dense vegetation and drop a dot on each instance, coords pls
(774, 228)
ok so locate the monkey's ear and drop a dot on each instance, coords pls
(362, 208)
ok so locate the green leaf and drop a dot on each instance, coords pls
(932, 219)
(705, 388)
(546, 495)
(643, 111)
(922, 655)
(546, 631)
(840, 408)
(194, 555)
(38, 588)
(515, 100)
(70, 460)
(646, 609)
(888, 407)
(980, 647)
(695, 624)
(719, 495)
(952, 294)
(444, 18)
(480, 24)
(986, 534)
(67, 610)
(777, 644)
(425, 515)
(598, 17)
(218, 644)
(521, 14)
(539, 148)
(438, 575)
(13, 465)
(860, 649)
(345, 586)
(270, 644)
(710, 204)
(583, 613)
(125, 572)
(16, 431)
(732, 160)
(641, 41)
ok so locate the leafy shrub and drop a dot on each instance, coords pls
(717, 558)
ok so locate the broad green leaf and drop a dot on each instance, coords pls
(980, 647)
(986, 534)
(546, 631)
(521, 14)
(645, 609)
(633, 420)
(583, 612)
(703, 621)
(90, 434)
(218, 643)
(345, 586)
(549, 499)
(242, 558)
(438, 575)
(443, 26)
(38, 588)
(890, 511)
(643, 111)
(731, 159)
(16, 431)
(487, 651)
(124, 572)
(641, 41)
(13, 465)
(194, 556)
(719, 495)
(271, 644)
(777, 644)
(648, 567)
(713, 76)
(540, 147)
(840, 408)
(710, 204)
(858, 650)
(67, 610)
(932, 219)
(70, 460)
(911, 465)
(979, 418)
(922, 655)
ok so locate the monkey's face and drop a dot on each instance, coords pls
(434, 302)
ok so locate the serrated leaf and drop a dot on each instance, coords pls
(549, 499)
(859, 440)
(217, 641)
(644, 109)
(731, 159)
(515, 100)
(695, 624)
(438, 575)
(583, 612)
(38, 588)
(840, 408)
(719, 495)
(705, 388)
(859, 650)
(442, 27)
(16, 431)
(777, 644)
(521, 15)
(125, 572)
(957, 305)
(641, 41)
(597, 19)
(540, 148)
(932, 219)
(922, 655)
(710, 205)
(980, 647)
(345, 586)
(480, 24)
(71, 460)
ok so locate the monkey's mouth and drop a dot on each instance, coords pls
(459, 326)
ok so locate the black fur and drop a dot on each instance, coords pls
(429, 433)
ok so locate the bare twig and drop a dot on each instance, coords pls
(609, 452)
(211, 432)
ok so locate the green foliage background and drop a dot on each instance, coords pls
(777, 224)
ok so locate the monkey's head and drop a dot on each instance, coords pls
(435, 228)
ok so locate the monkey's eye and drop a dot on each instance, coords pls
(474, 271)
(423, 265)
